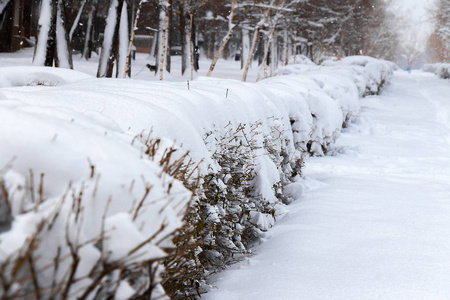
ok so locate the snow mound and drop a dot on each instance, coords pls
(31, 76)
(369, 74)
(440, 69)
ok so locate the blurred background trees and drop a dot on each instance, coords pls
(439, 41)
(263, 32)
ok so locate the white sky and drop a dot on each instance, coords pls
(416, 9)
(414, 18)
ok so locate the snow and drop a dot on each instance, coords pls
(440, 69)
(373, 221)
(84, 138)
(32, 76)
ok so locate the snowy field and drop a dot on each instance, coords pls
(374, 222)
(85, 168)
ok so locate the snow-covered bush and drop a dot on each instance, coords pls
(90, 214)
(114, 164)
(440, 69)
(226, 216)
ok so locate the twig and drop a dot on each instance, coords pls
(141, 202)
(97, 179)
(34, 276)
(163, 226)
(32, 186)
(102, 228)
(91, 165)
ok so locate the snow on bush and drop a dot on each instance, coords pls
(96, 174)
(440, 69)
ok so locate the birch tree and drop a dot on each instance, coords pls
(163, 17)
(269, 12)
(184, 40)
(87, 47)
(115, 41)
(130, 45)
(270, 41)
(266, 10)
(77, 19)
(225, 39)
(192, 6)
(52, 47)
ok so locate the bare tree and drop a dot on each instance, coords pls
(225, 39)
(130, 46)
(52, 47)
(192, 6)
(264, 17)
(163, 17)
(270, 35)
(77, 19)
(116, 35)
(87, 48)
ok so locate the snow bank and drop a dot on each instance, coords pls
(440, 69)
(71, 180)
(29, 76)
(369, 74)
(81, 166)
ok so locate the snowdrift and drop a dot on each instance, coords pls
(96, 174)
(441, 69)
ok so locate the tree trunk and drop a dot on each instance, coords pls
(52, 45)
(169, 36)
(250, 55)
(111, 40)
(260, 49)
(273, 57)
(124, 33)
(162, 42)
(154, 48)
(191, 46)
(266, 51)
(255, 39)
(130, 45)
(51, 37)
(77, 20)
(286, 48)
(63, 56)
(224, 40)
(295, 52)
(245, 45)
(182, 32)
(219, 52)
(89, 31)
(196, 53)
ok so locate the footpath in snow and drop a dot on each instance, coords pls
(374, 222)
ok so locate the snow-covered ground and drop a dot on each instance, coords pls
(440, 69)
(374, 222)
(225, 69)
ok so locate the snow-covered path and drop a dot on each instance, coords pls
(374, 222)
